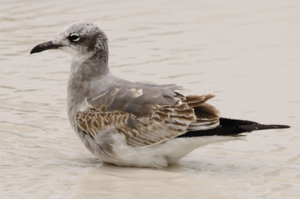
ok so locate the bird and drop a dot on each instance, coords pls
(135, 124)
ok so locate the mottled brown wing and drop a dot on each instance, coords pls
(165, 123)
(207, 115)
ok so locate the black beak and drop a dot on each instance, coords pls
(44, 46)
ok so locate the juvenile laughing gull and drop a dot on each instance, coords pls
(134, 124)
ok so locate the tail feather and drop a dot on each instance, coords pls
(233, 127)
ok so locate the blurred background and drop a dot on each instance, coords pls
(245, 52)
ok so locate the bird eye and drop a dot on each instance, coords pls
(73, 37)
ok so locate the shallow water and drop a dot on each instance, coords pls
(245, 52)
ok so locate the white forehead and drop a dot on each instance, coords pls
(93, 38)
(81, 28)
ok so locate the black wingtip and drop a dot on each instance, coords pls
(257, 127)
(233, 127)
(282, 126)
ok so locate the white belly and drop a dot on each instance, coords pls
(160, 155)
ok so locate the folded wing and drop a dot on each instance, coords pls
(147, 114)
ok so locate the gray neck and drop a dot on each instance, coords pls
(90, 67)
(85, 80)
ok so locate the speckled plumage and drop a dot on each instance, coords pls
(160, 123)
(134, 124)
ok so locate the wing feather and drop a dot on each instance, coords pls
(146, 131)
(147, 114)
(139, 99)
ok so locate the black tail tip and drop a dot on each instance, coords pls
(282, 126)
(256, 126)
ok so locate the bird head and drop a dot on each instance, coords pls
(81, 40)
